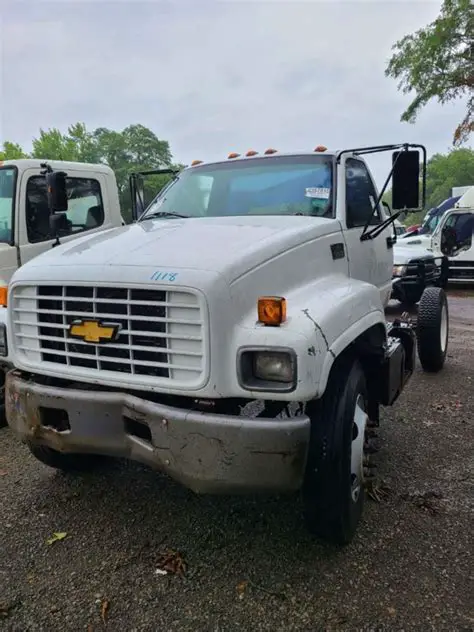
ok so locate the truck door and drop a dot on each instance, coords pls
(8, 252)
(370, 260)
(87, 200)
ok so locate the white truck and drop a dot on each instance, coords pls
(93, 206)
(234, 337)
(452, 238)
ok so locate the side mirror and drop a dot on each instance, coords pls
(57, 191)
(406, 180)
(58, 222)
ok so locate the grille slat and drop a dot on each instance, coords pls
(161, 331)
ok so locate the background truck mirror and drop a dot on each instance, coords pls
(58, 222)
(57, 192)
(406, 180)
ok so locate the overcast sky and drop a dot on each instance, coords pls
(215, 76)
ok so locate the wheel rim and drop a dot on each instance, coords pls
(359, 424)
(443, 330)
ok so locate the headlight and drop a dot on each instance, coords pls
(3, 340)
(267, 369)
(399, 271)
(273, 366)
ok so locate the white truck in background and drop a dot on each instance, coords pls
(234, 336)
(93, 207)
(453, 238)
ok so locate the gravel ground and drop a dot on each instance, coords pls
(250, 564)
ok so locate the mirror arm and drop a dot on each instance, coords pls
(377, 230)
(379, 199)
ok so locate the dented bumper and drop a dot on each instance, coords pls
(207, 453)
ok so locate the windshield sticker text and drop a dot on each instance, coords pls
(163, 276)
(322, 193)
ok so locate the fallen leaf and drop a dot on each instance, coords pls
(5, 608)
(391, 610)
(160, 571)
(56, 537)
(3, 472)
(104, 610)
(241, 588)
(172, 562)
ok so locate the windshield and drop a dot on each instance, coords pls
(284, 185)
(7, 196)
(429, 225)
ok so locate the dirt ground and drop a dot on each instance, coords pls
(250, 563)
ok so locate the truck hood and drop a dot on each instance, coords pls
(230, 246)
(402, 254)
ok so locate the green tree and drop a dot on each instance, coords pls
(445, 171)
(437, 62)
(12, 151)
(77, 145)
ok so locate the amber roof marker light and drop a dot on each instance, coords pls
(196, 162)
(233, 154)
(251, 152)
(270, 151)
(320, 148)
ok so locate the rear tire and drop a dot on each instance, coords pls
(433, 329)
(333, 490)
(65, 462)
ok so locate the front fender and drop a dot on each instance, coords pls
(5, 361)
(323, 320)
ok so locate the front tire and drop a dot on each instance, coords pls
(333, 490)
(433, 329)
(63, 461)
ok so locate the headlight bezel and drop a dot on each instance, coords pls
(246, 360)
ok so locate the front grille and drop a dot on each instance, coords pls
(427, 268)
(160, 331)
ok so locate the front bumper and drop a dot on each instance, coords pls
(208, 453)
(419, 275)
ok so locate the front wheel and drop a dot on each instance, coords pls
(333, 490)
(433, 329)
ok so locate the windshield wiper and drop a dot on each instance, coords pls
(164, 214)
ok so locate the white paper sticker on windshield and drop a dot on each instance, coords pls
(320, 193)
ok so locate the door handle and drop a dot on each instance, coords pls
(391, 240)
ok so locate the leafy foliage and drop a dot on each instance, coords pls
(12, 151)
(443, 172)
(437, 62)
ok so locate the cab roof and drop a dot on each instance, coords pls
(35, 163)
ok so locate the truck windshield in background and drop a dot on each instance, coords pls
(283, 185)
(7, 197)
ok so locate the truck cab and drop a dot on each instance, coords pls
(233, 337)
(25, 230)
(454, 238)
(24, 212)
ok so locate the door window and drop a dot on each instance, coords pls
(85, 208)
(360, 195)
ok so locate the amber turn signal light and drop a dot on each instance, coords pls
(271, 310)
(3, 295)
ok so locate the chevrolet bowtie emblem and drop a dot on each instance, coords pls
(94, 331)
